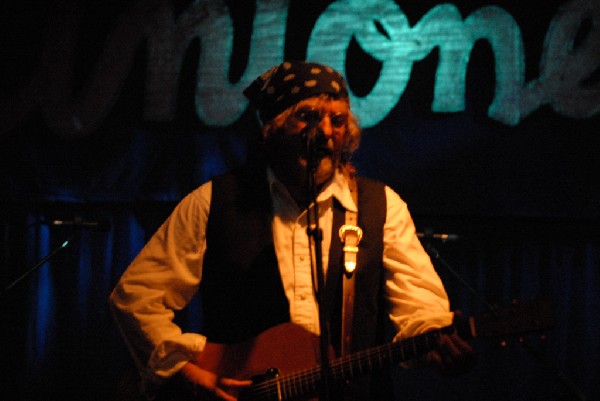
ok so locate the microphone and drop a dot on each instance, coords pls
(429, 234)
(313, 135)
(316, 144)
(80, 223)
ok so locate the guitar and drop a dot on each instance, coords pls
(282, 360)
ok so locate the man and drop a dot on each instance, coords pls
(246, 241)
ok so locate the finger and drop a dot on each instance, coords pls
(448, 348)
(451, 352)
(455, 346)
(223, 395)
(435, 359)
(462, 345)
(235, 383)
(228, 389)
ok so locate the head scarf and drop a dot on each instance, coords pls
(290, 82)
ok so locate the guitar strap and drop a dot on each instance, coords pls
(350, 234)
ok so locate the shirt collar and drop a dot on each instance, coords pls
(337, 187)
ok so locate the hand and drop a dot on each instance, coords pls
(454, 355)
(208, 386)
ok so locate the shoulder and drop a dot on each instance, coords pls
(196, 202)
(376, 189)
(252, 172)
(369, 181)
(245, 185)
(368, 184)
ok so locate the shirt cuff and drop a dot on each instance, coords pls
(170, 356)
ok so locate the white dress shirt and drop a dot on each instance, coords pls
(166, 273)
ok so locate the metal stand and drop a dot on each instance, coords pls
(41, 262)
(317, 235)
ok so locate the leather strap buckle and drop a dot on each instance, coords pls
(350, 236)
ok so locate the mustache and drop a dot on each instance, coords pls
(317, 144)
(311, 143)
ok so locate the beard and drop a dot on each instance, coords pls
(288, 154)
(323, 167)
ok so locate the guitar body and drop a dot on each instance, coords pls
(286, 347)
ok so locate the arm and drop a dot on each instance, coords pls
(161, 279)
(416, 295)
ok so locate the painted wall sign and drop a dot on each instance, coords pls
(569, 59)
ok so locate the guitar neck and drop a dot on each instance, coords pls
(363, 362)
(305, 383)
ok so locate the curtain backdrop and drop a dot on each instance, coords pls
(62, 343)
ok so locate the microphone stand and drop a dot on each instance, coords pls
(46, 258)
(576, 393)
(317, 235)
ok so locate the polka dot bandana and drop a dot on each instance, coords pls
(290, 82)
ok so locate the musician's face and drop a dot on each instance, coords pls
(331, 117)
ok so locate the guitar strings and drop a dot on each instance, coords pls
(305, 382)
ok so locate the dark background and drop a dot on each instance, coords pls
(524, 200)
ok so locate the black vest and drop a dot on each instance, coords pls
(242, 293)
